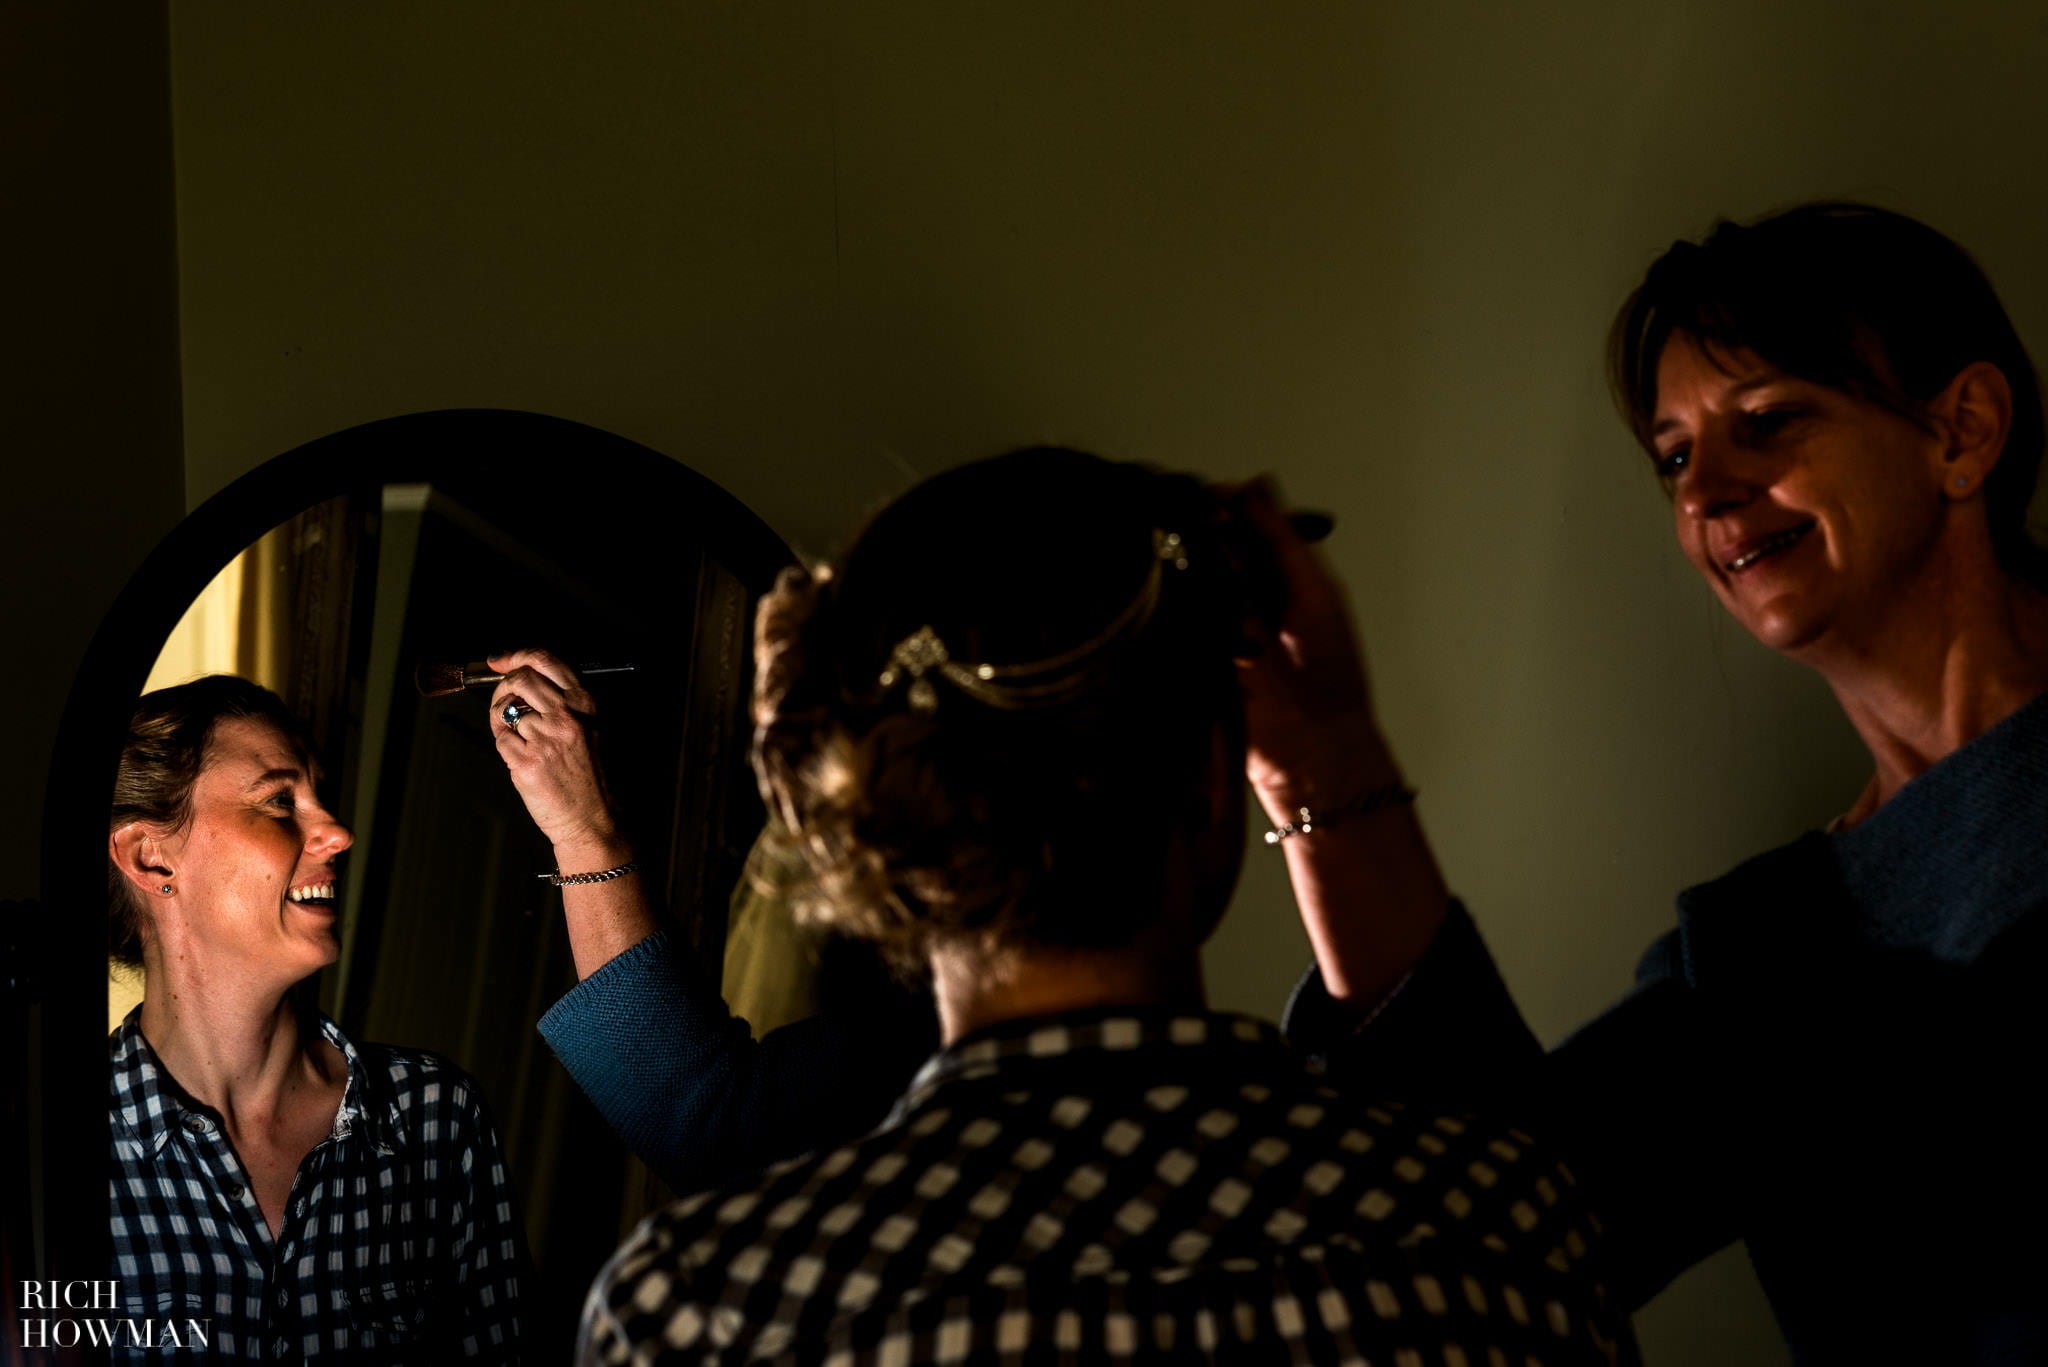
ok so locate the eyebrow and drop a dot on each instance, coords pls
(1663, 425)
(272, 776)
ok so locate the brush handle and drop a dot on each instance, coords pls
(472, 679)
(441, 680)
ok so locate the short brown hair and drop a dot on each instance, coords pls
(161, 759)
(1045, 824)
(1857, 298)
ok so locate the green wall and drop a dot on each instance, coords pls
(88, 361)
(90, 454)
(817, 250)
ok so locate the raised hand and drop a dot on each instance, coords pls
(549, 749)
(1365, 882)
(1311, 739)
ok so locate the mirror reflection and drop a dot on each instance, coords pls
(446, 936)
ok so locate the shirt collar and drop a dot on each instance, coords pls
(150, 1105)
(1011, 1045)
(1954, 858)
(1948, 864)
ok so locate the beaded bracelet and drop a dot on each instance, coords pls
(558, 879)
(1394, 794)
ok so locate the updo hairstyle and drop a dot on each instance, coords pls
(1048, 823)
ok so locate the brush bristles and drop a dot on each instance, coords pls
(439, 680)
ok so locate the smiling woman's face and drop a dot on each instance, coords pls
(1808, 510)
(254, 869)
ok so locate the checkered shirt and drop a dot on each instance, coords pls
(399, 1244)
(1119, 1186)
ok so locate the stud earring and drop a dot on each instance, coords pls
(1962, 482)
(167, 887)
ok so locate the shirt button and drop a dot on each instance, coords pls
(236, 1191)
(284, 1298)
(197, 1123)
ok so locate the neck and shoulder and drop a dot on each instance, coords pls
(1941, 676)
(245, 1053)
(977, 985)
(276, 1086)
(976, 988)
(978, 982)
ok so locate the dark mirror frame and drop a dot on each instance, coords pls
(63, 966)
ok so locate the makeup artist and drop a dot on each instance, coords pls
(1837, 1054)
(300, 1193)
(645, 1032)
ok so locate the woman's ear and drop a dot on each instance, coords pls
(1975, 414)
(138, 852)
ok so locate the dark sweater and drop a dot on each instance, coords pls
(689, 1088)
(1836, 1056)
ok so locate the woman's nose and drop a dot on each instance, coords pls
(1719, 477)
(328, 837)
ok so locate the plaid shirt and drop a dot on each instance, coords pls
(1116, 1186)
(399, 1242)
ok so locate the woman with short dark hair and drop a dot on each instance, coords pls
(291, 1190)
(1835, 1056)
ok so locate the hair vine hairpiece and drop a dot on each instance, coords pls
(1034, 683)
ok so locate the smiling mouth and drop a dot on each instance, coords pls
(1768, 547)
(320, 893)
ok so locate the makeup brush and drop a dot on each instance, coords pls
(437, 680)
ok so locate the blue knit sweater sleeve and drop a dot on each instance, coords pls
(694, 1093)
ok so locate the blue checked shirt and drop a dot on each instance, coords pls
(1126, 1186)
(399, 1244)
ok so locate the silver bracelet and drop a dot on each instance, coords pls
(558, 879)
(1395, 794)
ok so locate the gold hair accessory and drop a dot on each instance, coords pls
(1035, 683)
